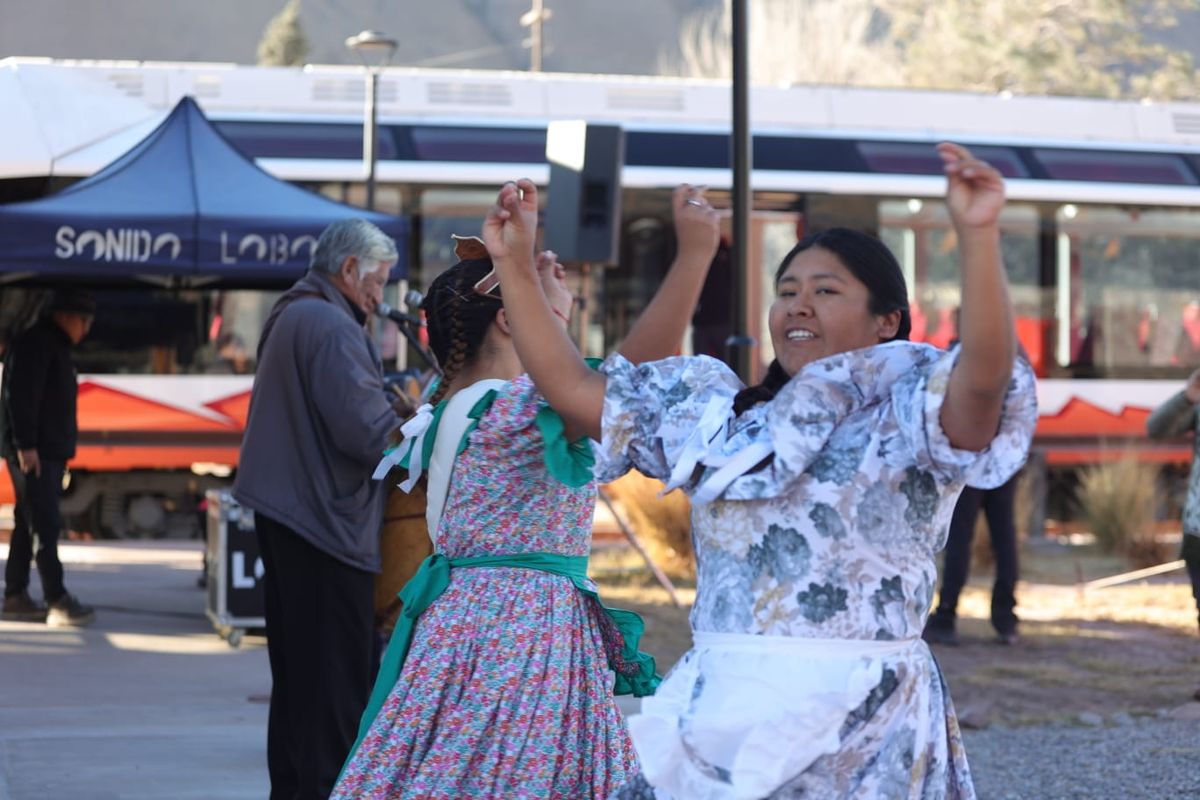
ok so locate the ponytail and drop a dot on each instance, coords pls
(772, 382)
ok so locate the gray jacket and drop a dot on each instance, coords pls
(319, 421)
(1175, 418)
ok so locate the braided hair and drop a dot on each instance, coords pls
(457, 318)
(872, 263)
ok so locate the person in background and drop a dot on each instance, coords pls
(1176, 417)
(319, 419)
(998, 505)
(39, 393)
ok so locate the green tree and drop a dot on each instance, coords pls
(283, 43)
(1091, 48)
(1096, 48)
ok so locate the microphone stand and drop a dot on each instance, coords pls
(406, 329)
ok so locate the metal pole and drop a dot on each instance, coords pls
(369, 135)
(585, 307)
(632, 538)
(740, 346)
(1127, 577)
(535, 37)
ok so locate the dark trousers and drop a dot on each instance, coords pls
(997, 505)
(319, 615)
(37, 524)
(1191, 558)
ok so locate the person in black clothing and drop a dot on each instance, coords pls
(39, 392)
(998, 505)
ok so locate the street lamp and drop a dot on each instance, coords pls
(374, 50)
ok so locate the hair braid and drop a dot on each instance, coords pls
(772, 382)
(456, 357)
(458, 319)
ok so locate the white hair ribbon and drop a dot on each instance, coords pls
(413, 445)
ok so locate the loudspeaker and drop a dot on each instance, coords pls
(583, 215)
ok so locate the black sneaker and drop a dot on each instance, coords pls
(939, 630)
(1010, 639)
(68, 611)
(22, 608)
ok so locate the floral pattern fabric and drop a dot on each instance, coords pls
(832, 535)
(506, 691)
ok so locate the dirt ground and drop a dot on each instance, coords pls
(1131, 648)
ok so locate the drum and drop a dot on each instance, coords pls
(403, 544)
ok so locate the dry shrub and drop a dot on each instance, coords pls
(663, 524)
(1117, 500)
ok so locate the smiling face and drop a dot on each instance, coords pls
(822, 309)
(364, 290)
(372, 287)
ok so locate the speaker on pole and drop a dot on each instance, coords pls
(583, 215)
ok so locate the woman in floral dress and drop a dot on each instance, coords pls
(820, 499)
(498, 681)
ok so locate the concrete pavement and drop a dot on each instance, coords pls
(148, 702)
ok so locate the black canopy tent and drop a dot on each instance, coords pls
(183, 207)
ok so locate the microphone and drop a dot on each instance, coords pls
(397, 316)
(413, 298)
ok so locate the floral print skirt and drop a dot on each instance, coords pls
(506, 693)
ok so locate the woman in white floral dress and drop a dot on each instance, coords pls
(820, 499)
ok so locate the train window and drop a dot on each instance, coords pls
(504, 145)
(1128, 290)
(304, 140)
(920, 158)
(919, 233)
(656, 149)
(1101, 165)
(805, 154)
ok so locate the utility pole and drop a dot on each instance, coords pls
(741, 345)
(533, 19)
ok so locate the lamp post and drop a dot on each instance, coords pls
(741, 346)
(533, 19)
(374, 50)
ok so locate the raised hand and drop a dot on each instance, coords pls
(510, 229)
(697, 224)
(548, 266)
(553, 277)
(974, 188)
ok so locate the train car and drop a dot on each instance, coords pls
(1101, 232)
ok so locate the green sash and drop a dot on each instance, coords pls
(433, 576)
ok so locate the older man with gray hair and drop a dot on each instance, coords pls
(319, 421)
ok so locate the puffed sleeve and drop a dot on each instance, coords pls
(660, 416)
(917, 401)
(518, 417)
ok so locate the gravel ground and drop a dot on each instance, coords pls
(1149, 758)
